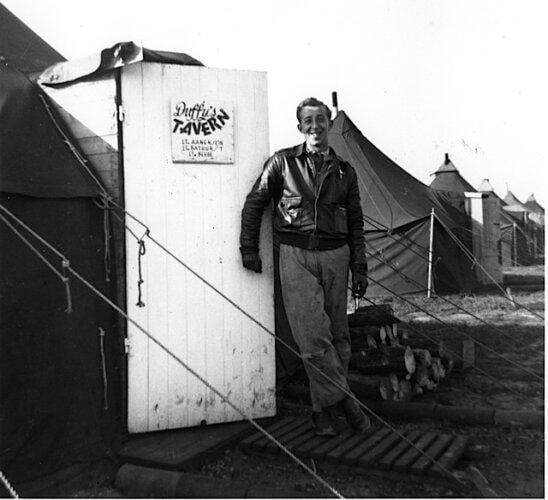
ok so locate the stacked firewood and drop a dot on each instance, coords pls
(389, 364)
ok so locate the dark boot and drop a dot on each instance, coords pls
(322, 424)
(336, 415)
(357, 419)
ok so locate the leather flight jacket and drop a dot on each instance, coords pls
(314, 208)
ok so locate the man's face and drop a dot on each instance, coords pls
(315, 125)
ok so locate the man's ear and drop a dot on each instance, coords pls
(330, 124)
(299, 127)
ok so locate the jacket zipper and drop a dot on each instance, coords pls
(317, 197)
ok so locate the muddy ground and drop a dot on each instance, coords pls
(514, 462)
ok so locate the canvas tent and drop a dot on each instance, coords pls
(397, 209)
(22, 48)
(483, 208)
(56, 407)
(533, 205)
(529, 229)
(448, 178)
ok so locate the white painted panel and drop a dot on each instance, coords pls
(88, 109)
(485, 217)
(194, 209)
(139, 344)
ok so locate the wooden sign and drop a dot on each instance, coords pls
(202, 131)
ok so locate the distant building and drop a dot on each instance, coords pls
(484, 212)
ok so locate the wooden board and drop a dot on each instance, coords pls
(414, 453)
(174, 449)
(390, 449)
(404, 445)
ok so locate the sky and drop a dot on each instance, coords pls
(419, 78)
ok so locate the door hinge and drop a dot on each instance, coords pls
(127, 345)
(121, 113)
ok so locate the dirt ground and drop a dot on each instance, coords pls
(514, 464)
(514, 461)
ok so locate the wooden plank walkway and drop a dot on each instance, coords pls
(407, 451)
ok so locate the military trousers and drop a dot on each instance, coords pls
(314, 290)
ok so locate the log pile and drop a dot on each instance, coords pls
(389, 364)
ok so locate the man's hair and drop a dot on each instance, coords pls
(312, 101)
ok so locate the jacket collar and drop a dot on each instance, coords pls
(300, 150)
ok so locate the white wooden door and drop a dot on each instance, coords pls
(194, 210)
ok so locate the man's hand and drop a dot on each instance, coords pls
(252, 261)
(359, 285)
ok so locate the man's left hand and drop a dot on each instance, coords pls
(359, 285)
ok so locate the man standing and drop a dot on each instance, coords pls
(319, 223)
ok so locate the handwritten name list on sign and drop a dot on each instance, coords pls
(202, 131)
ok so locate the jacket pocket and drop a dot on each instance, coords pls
(290, 208)
(341, 221)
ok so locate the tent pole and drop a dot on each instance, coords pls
(430, 254)
(514, 244)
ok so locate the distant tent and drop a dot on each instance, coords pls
(533, 205)
(57, 407)
(511, 199)
(514, 206)
(22, 48)
(397, 210)
(485, 187)
(448, 178)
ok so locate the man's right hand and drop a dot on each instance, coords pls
(252, 261)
